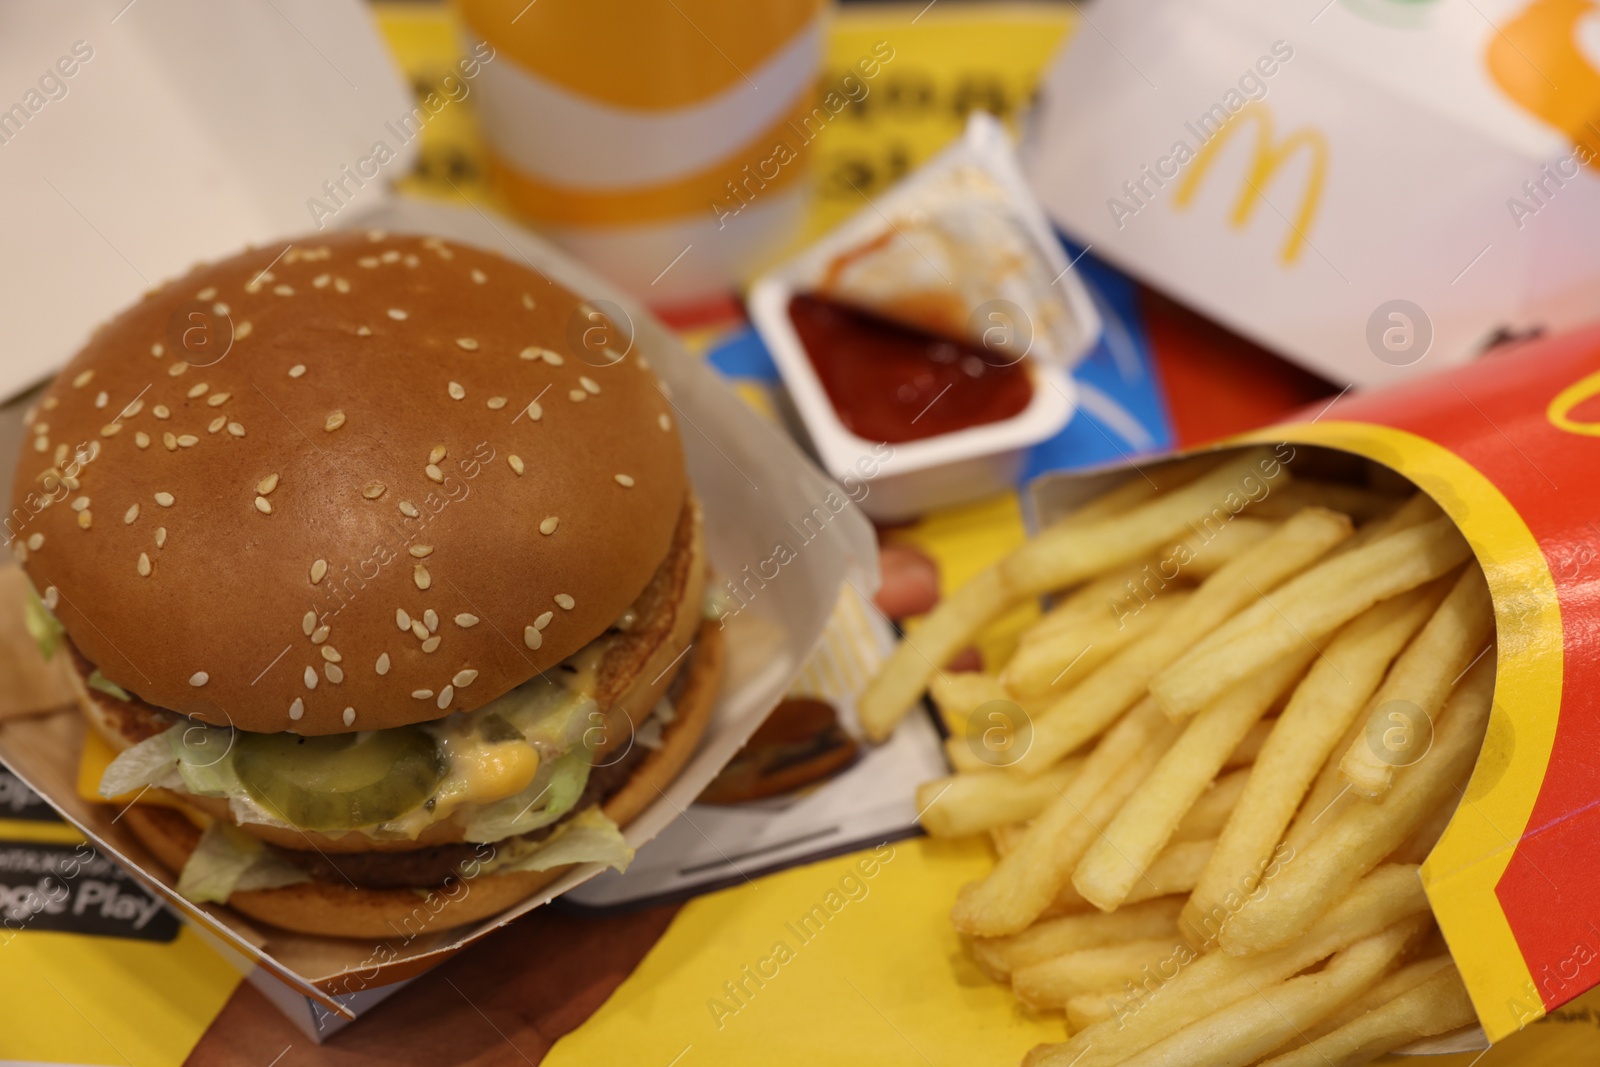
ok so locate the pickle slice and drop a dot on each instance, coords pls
(339, 781)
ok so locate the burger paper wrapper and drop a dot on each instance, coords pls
(1508, 447)
(752, 483)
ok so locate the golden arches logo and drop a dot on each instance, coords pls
(1560, 410)
(1536, 60)
(1268, 157)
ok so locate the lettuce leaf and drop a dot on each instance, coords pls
(150, 762)
(43, 627)
(227, 859)
(547, 798)
(106, 685)
(588, 837)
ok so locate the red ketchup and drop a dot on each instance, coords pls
(890, 382)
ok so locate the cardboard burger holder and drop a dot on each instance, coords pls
(1509, 448)
(200, 129)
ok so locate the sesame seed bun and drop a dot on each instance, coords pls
(246, 536)
(333, 908)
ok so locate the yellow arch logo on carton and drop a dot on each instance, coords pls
(1537, 59)
(1267, 157)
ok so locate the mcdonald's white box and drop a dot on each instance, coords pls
(1368, 187)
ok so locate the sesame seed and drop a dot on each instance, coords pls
(41, 444)
(464, 678)
(217, 423)
(383, 664)
(589, 384)
(52, 596)
(411, 259)
(565, 601)
(236, 429)
(408, 509)
(333, 672)
(207, 293)
(368, 262)
(161, 411)
(334, 421)
(199, 678)
(130, 515)
(445, 696)
(283, 290)
(432, 643)
(80, 504)
(516, 463)
(467, 344)
(421, 551)
(319, 635)
(318, 569)
(297, 709)
(161, 537)
(349, 716)
(422, 694)
(111, 429)
(188, 440)
(85, 520)
(495, 403)
(171, 441)
(321, 281)
(158, 349)
(543, 620)
(331, 654)
(263, 505)
(397, 315)
(548, 526)
(465, 620)
(310, 678)
(243, 330)
(266, 485)
(478, 276)
(420, 575)
(363, 331)
(624, 480)
(433, 472)
(340, 285)
(576, 395)
(531, 637)
(535, 412)
(401, 619)
(552, 357)
(436, 453)
(35, 541)
(418, 630)
(664, 422)
(197, 390)
(611, 353)
(144, 565)
(295, 371)
(430, 619)
(527, 301)
(216, 400)
(308, 623)
(391, 256)
(177, 369)
(456, 391)
(83, 379)
(127, 413)
(373, 490)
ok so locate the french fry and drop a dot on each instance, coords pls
(1329, 795)
(999, 956)
(1458, 632)
(1086, 1009)
(1253, 1026)
(962, 758)
(1101, 697)
(1416, 848)
(1142, 827)
(1383, 898)
(1038, 669)
(1024, 883)
(958, 694)
(1308, 608)
(1319, 713)
(1050, 983)
(1005, 836)
(1366, 832)
(964, 804)
(1205, 820)
(1356, 501)
(1414, 511)
(1436, 1006)
(1061, 556)
(1174, 871)
(1394, 984)
(1246, 752)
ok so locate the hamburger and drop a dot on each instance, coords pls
(379, 575)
